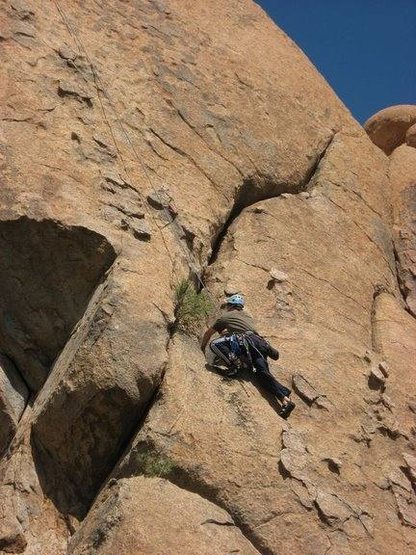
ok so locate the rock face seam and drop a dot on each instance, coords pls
(183, 480)
(247, 196)
(400, 281)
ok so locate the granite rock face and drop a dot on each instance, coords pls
(403, 187)
(142, 143)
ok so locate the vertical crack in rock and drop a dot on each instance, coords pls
(110, 422)
(191, 482)
(51, 275)
(375, 341)
(404, 290)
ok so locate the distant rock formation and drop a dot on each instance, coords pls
(394, 131)
(144, 142)
(392, 127)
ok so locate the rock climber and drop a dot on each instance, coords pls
(240, 344)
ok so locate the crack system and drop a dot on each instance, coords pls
(404, 290)
(248, 194)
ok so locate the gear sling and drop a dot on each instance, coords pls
(249, 350)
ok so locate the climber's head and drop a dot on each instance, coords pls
(235, 302)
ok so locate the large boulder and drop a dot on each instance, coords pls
(388, 128)
(156, 516)
(411, 136)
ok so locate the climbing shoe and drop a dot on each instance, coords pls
(226, 371)
(286, 410)
(273, 353)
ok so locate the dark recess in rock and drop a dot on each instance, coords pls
(48, 273)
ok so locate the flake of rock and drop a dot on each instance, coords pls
(333, 463)
(140, 229)
(332, 508)
(113, 215)
(105, 144)
(376, 378)
(67, 88)
(383, 484)
(304, 389)
(294, 463)
(101, 140)
(384, 367)
(293, 441)
(387, 402)
(406, 509)
(278, 276)
(114, 178)
(259, 209)
(322, 402)
(368, 523)
(159, 199)
(368, 356)
(392, 427)
(286, 195)
(299, 489)
(189, 236)
(232, 288)
(305, 194)
(412, 405)
(397, 478)
(127, 207)
(410, 461)
(67, 53)
(23, 28)
(75, 136)
(22, 8)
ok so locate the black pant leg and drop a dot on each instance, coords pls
(264, 377)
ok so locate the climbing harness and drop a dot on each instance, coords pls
(238, 347)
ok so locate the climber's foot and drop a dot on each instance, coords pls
(225, 371)
(287, 409)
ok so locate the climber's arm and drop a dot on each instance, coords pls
(206, 337)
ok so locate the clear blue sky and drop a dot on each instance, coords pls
(366, 49)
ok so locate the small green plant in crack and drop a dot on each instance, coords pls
(152, 463)
(192, 308)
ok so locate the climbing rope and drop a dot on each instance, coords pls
(101, 88)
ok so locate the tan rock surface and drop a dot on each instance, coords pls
(152, 515)
(395, 337)
(411, 136)
(305, 485)
(388, 128)
(205, 125)
(403, 186)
